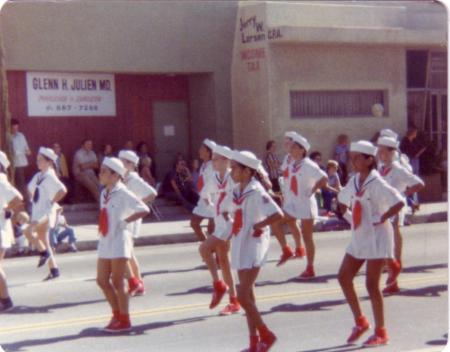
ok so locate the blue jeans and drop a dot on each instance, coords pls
(56, 237)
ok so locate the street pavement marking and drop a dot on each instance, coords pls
(90, 320)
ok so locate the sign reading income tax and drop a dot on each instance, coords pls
(70, 94)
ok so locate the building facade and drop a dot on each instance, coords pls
(171, 73)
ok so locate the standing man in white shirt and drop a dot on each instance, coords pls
(21, 151)
(85, 165)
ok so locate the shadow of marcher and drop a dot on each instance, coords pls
(95, 332)
(429, 291)
(49, 308)
(202, 289)
(341, 348)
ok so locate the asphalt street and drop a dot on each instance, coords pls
(67, 314)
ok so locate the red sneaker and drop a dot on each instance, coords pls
(112, 322)
(135, 285)
(308, 273)
(285, 256)
(220, 288)
(118, 326)
(361, 327)
(266, 342)
(394, 269)
(231, 308)
(391, 289)
(380, 338)
(141, 290)
(254, 340)
(300, 252)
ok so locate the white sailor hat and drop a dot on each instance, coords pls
(388, 142)
(363, 147)
(246, 158)
(48, 153)
(129, 155)
(290, 134)
(388, 133)
(223, 151)
(4, 160)
(115, 164)
(299, 139)
(209, 143)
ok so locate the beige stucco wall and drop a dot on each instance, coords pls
(126, 36)
(336, 68)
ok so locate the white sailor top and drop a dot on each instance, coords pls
(120, 203)
(368, 203)
(300, 202)
(204, 206)
(141, 190)
(7, 194)
(43, 188)
(249, 249)
(284, 178)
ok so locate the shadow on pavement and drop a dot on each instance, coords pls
(202, 289)
(49, 308)
(341, 348)
(429, 291)
(95, 332)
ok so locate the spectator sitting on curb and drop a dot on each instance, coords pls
(333, 187)
(61, 231)
(22, 247)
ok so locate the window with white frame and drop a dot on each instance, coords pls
(336, 103)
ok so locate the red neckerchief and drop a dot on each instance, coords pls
(103, 226)
(357, 207)
(296, 166)
(238, 200)
(286, 170)
(221, 185)
(385, 170)
(201, 179)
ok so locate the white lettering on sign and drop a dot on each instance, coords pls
(70, 94)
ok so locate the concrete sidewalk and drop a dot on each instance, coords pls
(178, 230)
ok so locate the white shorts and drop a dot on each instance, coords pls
(248, 252)
(305, 208)
(222, 228)
(115, 247)
(203, 210)
(6, 236)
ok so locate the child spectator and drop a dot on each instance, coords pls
(146, 171)
(195, 173)
(61, 231)
(106, 152)
(21, 222)
(341, 156)
(333, 187)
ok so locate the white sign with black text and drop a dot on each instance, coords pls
(70, 94)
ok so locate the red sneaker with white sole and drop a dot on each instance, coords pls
(394, 269)
(231, 308)
(380, 338)
(300, 252)
(266, 342)
(135, 286)
(118, 326)
(308, 273)
(391, 289)
(285, 256)
(361, 327)
(220, 288)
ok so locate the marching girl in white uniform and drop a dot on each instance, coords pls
(372, 202)
(253, 212)
(147, 194)
(119, 207)
(10, 200)
(277, 229)
(305, 178)
(404, 181)
(45, 190)
(220, 187)
(204, 208)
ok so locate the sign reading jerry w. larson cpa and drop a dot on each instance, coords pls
(70, 94)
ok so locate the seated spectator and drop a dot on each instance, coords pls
(333, 187)
(146, 171)
(272, 165)
(178, 186)
(62, 171)
(106, 152)
(317, 158)
(341, 155)
(85, 165)
(143, 151)
(195, 172)
(128, 145)
(21, 221)
(61, 231)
